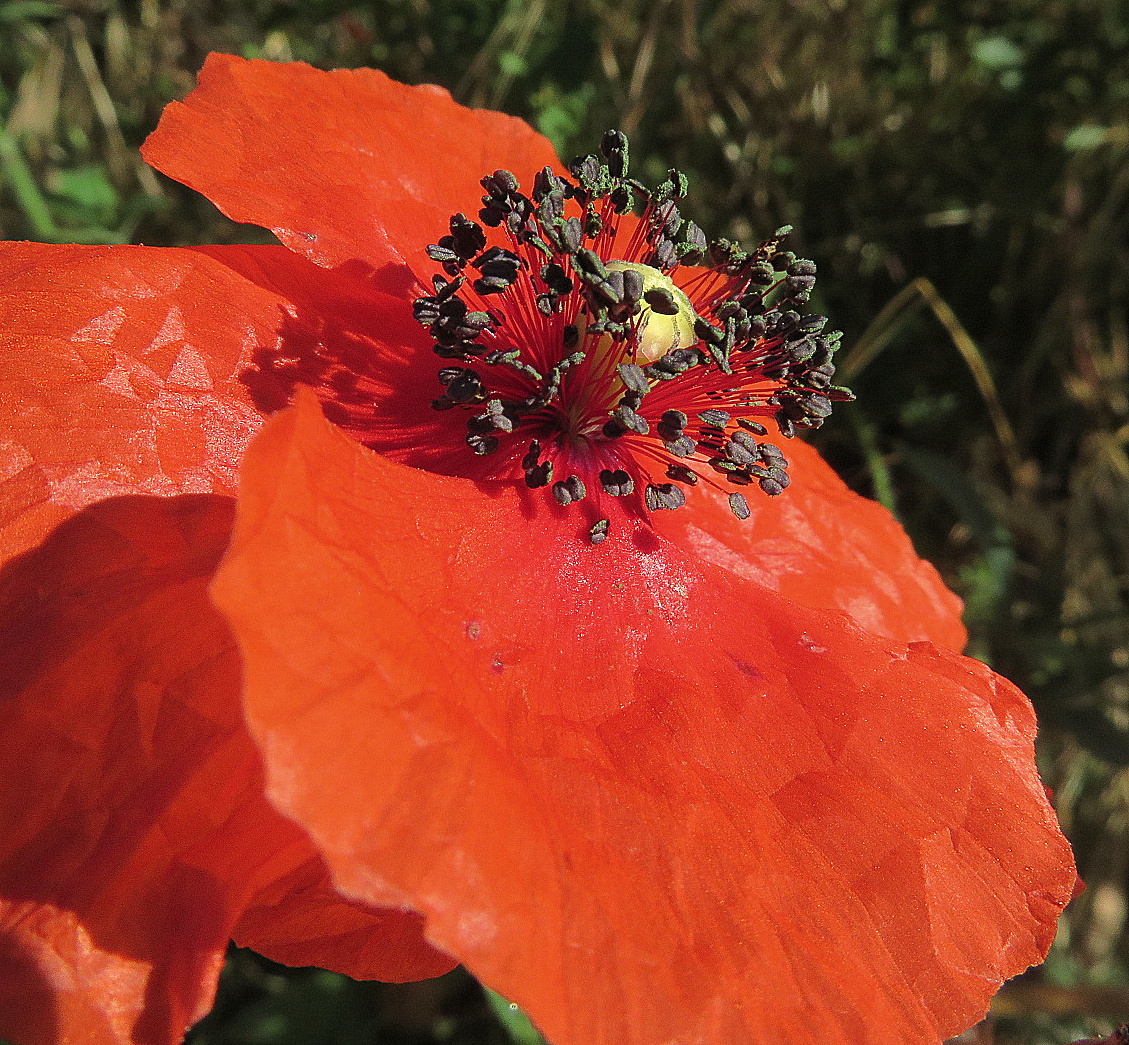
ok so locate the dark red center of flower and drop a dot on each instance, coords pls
(594, 355)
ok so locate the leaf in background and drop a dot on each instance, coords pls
(85, 196)
(24, 10)
(517, 1024)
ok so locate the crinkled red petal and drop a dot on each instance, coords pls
(353, 344)
(120, 373)
(825, 547)
(301, 919)
(645, 798)
(134, 832)
(342, 166)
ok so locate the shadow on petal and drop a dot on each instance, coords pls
(134, 833)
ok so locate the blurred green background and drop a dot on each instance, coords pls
(959, 170)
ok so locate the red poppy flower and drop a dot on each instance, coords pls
(656, 775)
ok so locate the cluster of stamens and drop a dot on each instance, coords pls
(602, 355)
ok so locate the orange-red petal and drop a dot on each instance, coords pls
(825, 547)
(647, 799)
(360, 167)
(119, 373)
(134, 832)
(301, 919)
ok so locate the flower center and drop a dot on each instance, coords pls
(595, 355)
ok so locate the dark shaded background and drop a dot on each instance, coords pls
(959, 169)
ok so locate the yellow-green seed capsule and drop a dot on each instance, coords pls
(658, 333)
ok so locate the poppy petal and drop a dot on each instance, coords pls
(644, 798)
(133, 827)
(362, 167)
(825, 547)
(119, 373)
(300, 920)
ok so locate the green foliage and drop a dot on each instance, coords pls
(958, 170)
(517, 1024)
(260, 1003)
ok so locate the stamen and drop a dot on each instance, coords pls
(583, 342)
(616, 482)
(569, 490)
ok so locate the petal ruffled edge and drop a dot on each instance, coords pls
(342, 166)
